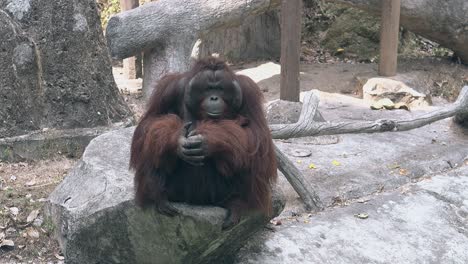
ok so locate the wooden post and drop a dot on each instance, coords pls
(132, 67)
(291, 15)
(389, 37)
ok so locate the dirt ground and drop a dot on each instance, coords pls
(25, 186)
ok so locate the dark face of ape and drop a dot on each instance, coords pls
(213, 93)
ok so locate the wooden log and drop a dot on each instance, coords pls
(461, 117)
(132, 67)
(162, 23)
(307, 127)
(291, 22)
(306, 119)
(389, 29)
(298, 182)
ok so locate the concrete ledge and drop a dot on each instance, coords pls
(46, 144)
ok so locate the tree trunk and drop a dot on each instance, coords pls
(55, 70)
(132, 67)
(306, 126)
(389, 29)
(257, 38)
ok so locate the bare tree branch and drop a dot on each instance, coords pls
(306, 126)
(298, 182)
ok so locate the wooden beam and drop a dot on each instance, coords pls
(389, 37)
(291, 15)
(132, 67)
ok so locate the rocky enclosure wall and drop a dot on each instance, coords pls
(55, 69)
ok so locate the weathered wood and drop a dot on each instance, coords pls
(132, 67)
(161, 23)
(461, 117)
(289, 170)
(291, 21)
(441, 21)
(307, 127)
(389, 29)
(257, 38)
(129, 4)
(298, 182)
(306, 120)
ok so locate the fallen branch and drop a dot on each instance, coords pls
(306, 126)
(298, 182)
(161, 23)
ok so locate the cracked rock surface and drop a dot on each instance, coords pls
(97, 221)
(424, 222)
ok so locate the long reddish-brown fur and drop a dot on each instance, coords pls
(241, 164)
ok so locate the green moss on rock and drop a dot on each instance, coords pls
(356, 32)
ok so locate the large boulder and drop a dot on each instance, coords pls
(97, 222)
(19, 86)
(353, 31)
(55, 69)
(257, 37)
(444, 22)
(376, 89)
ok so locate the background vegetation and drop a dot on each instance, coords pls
(111, 7)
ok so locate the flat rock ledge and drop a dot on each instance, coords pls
(49, 143)
(422, 222)
(96, 220)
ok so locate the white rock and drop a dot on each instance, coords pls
(14, 211)
(397, 91)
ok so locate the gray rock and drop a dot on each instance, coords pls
(97, 221)
(428, 223)
(38, 222)
(19, 88)
(286, 112)
(55, 70)
(354, 32)
(283, 112)
(444, 22)
(19, 8)
(258, 37)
